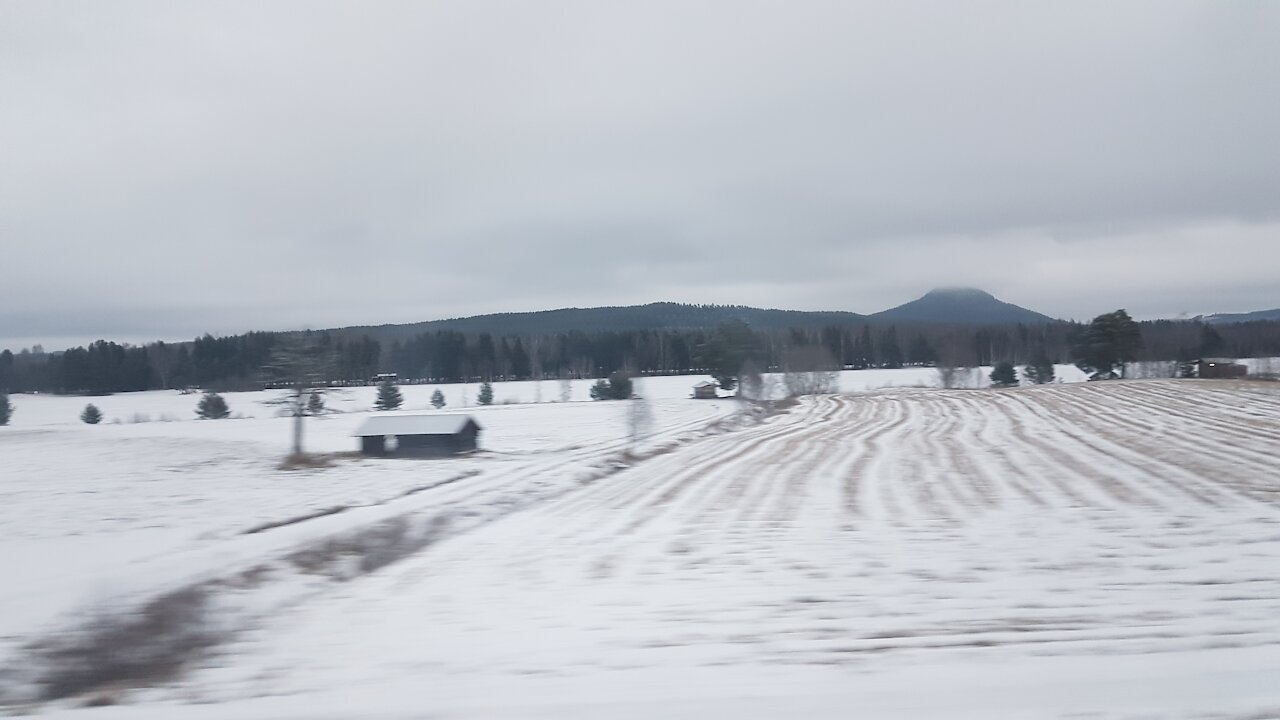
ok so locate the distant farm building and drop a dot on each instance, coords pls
(706, 390)
(418, 435)
(1220, 368)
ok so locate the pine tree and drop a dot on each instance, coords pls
(1003, 375)
(1108, 343)
(6, 409)
(315, 404)
(212, 407)
(486, 394)
(724, 353)
(91, 415)
(389, 397)
(1039, 371)
(437, 399)
(617, 387)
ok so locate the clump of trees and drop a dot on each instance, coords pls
(1039, 370)
(389, 397)
(1105, 346)
(91, 415)
(6, 408)
(616, 387)
(951, 375)
(1004, 375)
(437, 399)
(212, 407)
(485, 397)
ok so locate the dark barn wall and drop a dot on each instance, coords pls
(1222, 370)
(425, 445)
(466, 440)
(373, 445)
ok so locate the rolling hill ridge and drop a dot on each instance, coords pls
(963, 306)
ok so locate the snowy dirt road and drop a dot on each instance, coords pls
(1099, 550)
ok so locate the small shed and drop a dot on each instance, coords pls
(418, 435)
(1220, 368)
(705, 390)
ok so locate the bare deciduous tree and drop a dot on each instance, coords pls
(1266, 367)
(534, 346)
(299, 365)
(751, 381)
(810, 370)
(949, 375)
(639, 417)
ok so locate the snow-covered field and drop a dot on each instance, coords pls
(1083, 550)
(91, 512)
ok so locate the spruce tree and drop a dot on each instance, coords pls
(315, 404)
(486, 394)
(212, 407)
(389, 397)
(437, 399)
(91, 415)
(6, 409)
(1039, 371)
(620, 386)
(1003, 375)
(617, 387)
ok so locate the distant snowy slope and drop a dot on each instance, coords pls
(1227, 318)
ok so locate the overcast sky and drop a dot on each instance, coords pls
(170, 168)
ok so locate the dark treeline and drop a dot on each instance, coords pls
(234, 362)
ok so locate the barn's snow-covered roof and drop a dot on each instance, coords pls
(706, 383)
(414, 425)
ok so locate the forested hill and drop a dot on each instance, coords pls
(654, 316)
(963, 306)
(1227, 318)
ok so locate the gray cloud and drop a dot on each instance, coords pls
(176, 168)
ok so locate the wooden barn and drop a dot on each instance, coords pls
(1220, 368)
(705, 390)
(418, 435)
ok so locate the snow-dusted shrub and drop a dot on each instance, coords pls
(115, 648)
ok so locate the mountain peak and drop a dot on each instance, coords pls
(961, 305)
(960, 293)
